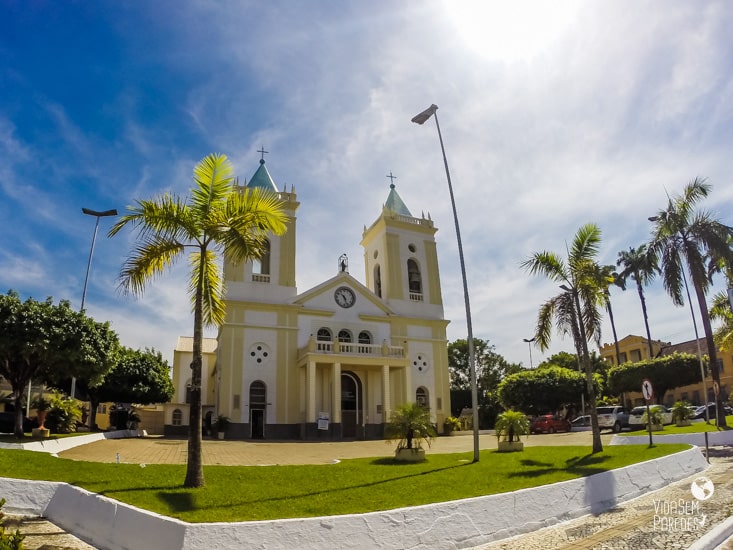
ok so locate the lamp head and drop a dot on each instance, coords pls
(89, 212)
(425, 115)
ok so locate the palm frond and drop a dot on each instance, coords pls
(206, 275)
(148, 260)
(213, 179)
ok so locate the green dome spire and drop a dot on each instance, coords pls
(262, 179)
(394, 203)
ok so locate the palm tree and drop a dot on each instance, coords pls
(684, 238)
(613, 277)
(218, 219)
(641, 266)
(576, 310)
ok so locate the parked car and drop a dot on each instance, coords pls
(612, 417)
(7, 422)
(581, 421)
(700, 411)
(637, 414)
(549, 423)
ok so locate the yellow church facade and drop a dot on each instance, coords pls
(332, 362)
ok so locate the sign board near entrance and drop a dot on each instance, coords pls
(323, 419)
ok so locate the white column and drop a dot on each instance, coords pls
(310, 400)
(409, 395)
(336, 400)
(386, 394)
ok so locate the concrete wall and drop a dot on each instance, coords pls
(458, 524)
(696, 438)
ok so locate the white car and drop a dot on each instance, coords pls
(637, 414)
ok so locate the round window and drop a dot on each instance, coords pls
(259, 353)
(420, 363)
(411, 247)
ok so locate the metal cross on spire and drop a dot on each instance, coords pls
(391, 178)
(262, 150)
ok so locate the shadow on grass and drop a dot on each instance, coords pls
(581, 466)
(184, 500)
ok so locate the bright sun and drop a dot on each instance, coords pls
(511, 30)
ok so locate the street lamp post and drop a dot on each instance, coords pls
(529, 346)
(97, 215)
(421, 118)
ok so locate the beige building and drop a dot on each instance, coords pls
(331, 362)
(635, 348)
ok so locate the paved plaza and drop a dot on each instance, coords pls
(647, 522)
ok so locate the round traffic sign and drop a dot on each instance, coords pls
(647, 390)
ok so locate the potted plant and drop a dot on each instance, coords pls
(42, 406)
(221, 424)
(681, 413)
(510, 425)
(653, 417)
(451, 425)
(410, 426)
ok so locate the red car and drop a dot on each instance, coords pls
(549, 423)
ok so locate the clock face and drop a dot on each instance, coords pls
(344, 296)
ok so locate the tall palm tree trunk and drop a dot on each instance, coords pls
(590, 390)
(640, 290)
(613, 330)
(194, 465)
(712, 350)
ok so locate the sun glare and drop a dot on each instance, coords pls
(510, 30)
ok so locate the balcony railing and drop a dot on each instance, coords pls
(352, 348)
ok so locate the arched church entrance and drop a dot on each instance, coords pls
(257, 406)
(351, 403)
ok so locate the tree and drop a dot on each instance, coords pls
(44, 341)
(491, 368)
(685, 238)
(219, 219)
(541, 391)
(641, 267)
(665, 373)
(576, 309)
(410, 422)
(140, 377)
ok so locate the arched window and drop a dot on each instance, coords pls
(365, 337)
(377, 281)
(421, 396)
(261, 265)
(324, 335)
(413, 277)
(345, 336)
(177, 417)
(257, 395)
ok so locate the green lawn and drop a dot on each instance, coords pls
(242, 493)
(695, 427)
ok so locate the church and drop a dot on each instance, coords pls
(332, 362)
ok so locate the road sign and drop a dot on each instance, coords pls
(647, 390)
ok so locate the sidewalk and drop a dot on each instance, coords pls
(666, 519)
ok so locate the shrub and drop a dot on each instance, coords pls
(410, 425)
(681, 411)
(452, 424)
(511, 424)
(9, 541)
(63, 415)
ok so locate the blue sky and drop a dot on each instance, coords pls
(553, 114)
